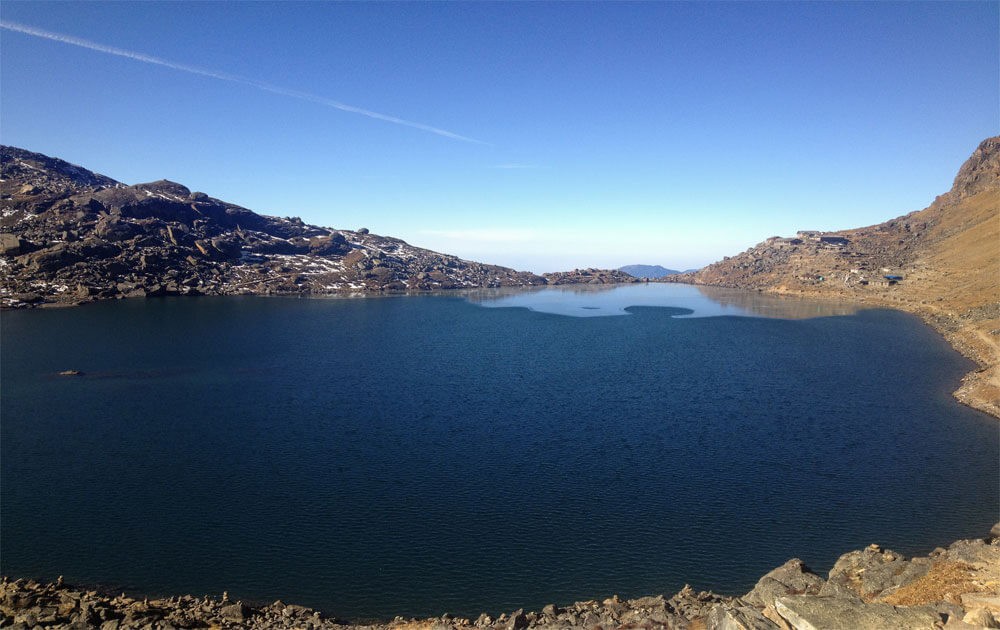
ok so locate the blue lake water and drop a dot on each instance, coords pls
(417, 455)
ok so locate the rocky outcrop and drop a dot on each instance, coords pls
(897, 253)
(68, 235)
(980, 172)
(871, 589)
(791, 578)
(808, 613)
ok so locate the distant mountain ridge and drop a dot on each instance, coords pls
(647, 271)
(589, 276)
(68, 235)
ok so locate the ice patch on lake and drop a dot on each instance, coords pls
(698, 301)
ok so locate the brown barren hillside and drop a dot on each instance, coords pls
(72, 236)
(942, 263)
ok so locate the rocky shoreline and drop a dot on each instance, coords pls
(980, 388)
(957, 588)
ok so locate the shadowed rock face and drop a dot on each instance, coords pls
(981, 171)
(875, 589)
(68, 235)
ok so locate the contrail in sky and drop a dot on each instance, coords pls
(222, 76)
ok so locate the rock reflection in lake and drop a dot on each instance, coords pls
(685, 300)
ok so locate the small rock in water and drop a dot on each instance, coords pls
(71, 373)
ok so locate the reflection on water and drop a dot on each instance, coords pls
(695, 301)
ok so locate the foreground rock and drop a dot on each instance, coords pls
(871, 589)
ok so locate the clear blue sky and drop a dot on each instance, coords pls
(607, 133)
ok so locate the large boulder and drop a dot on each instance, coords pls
(166, 188)
(96, 249)
(227, 247)
(812, 612)
(873, 572)
(114, 229)
(729, 617)
(12, 245)
(51, 259)
(329, 245)
(791, 578)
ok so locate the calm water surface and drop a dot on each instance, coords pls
(417, 455)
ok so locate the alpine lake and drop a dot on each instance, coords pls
(479, 451)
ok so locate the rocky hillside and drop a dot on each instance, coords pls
(942, 263)
(68, 235)
(900, 252)
(869, 589)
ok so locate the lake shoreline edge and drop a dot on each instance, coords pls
(955, 587)
(979, 389)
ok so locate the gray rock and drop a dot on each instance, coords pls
(981, 618)
(873, 572)
(551, 610)
(791, 578)
(51, 259)
(995, 531)
(227, 247)
(656, 602)
(725, 617)
(813, 612)
(518, 620)
(974, 552)
(483, 620)
(989, 601)
(11, 245)
(114, 229)
(234, 612)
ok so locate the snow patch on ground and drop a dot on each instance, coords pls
(31, 166)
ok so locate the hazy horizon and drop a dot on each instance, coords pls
(541, 136)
